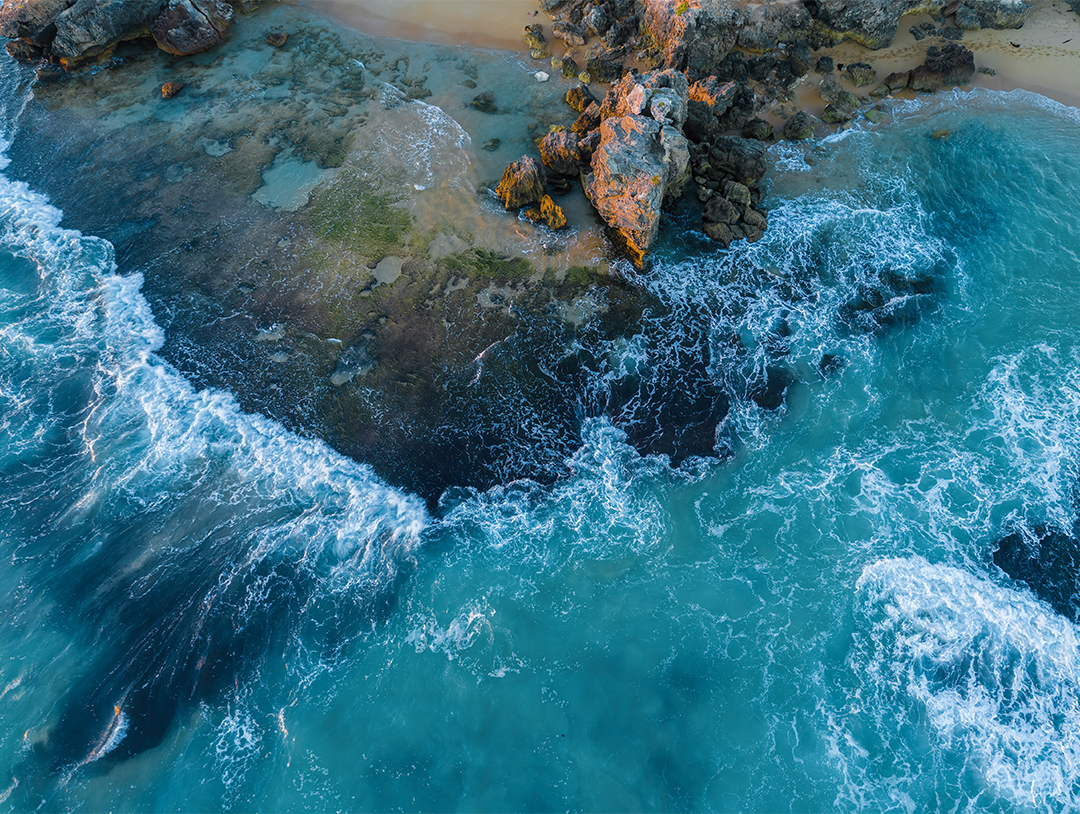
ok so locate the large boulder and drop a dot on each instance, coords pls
(638, 163)
(661, 95)
(93, 28)
(523, 183)
(696, 36)
(190, 26)
(945, 67)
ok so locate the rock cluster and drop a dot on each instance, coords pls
(727, 173)
(72, 33)
(524, 186)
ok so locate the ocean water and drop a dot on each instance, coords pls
(209, 612)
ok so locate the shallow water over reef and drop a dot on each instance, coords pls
(211, 612)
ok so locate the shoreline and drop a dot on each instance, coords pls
(1046, 61)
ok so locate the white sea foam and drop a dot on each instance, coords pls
(995, 673)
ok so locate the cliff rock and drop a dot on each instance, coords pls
(638, 163)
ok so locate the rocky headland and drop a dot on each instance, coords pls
(355, 273)
(720, 67)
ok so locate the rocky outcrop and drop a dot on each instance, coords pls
(191, 26)
(728, 173)
(873, 23)
(72, 33)
(638, 163)
(696, 35)
(523, 183)
(945, 67)
(639, 155)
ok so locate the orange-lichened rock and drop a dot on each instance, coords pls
(523, 183)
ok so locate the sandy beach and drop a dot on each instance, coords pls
(1043, 56)
(480, 23)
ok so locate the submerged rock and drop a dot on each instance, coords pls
(1047, 560)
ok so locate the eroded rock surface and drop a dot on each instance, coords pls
(72, 33)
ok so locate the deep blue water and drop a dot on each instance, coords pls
(206, 611)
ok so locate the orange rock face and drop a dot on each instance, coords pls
(523, 183)
(170, 89)
(552, 213)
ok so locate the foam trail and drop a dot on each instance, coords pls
(996, 674)
(188, 545)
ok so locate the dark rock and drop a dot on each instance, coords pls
(32, 21)
(598, 20)
(523, 183)
(622, 32)
(831, 91)
(800, 126)
(952, 32)
(191, 26)
(873, 23)
(568, 33)
(758, 129)
(720, 210)
(580, 97)
(898, 80)
(945, 67)
(588, 121)
(875, 115)
(1047, 560)
(25, 51)
(801, 59)
(917, 33)
(170, 89)
(91, 29)
(697, 36)
(602, 66)
(720, 232)
(491, 145)
(560, 154)
(485, 102)
(277, 39)
(533, 35)
(741, 158)
(861, 74)
(825, 65)
(831, 364)
(836, 115)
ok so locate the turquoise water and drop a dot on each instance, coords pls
(209, 612)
